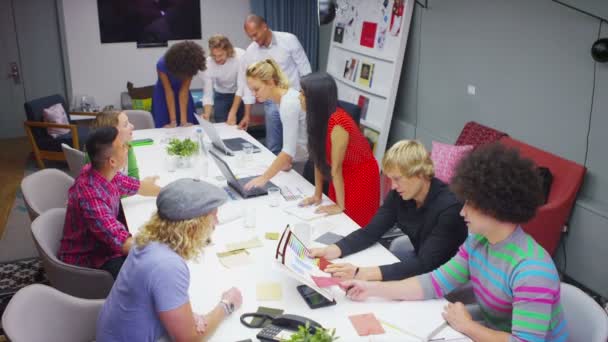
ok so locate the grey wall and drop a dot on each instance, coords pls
(598, 8)
(324, 40)
(534, 79)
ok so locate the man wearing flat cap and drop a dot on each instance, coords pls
(150, 297)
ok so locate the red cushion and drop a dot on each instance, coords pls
(476, 134)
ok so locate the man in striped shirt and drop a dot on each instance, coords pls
(514, 279)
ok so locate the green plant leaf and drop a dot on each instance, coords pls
(182, 148)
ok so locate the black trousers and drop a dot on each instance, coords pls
(114, 265)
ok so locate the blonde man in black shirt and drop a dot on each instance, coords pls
(420, 205)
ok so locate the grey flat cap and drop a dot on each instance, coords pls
(188, 198)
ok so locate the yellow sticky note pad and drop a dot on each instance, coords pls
(269, 291)
(251, 243)
(235, 259)
(272, 236)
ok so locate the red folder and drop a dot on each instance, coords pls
(368, 34)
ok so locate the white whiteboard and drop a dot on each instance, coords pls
(366, 53)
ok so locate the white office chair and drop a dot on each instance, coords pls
(44, 190)
(81, 282)
(587, 321)
(38, 313)
(140, 119)
(75, 159)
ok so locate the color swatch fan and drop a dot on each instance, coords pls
(295, 259)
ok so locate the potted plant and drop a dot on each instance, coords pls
(183, 151)
(304, 334)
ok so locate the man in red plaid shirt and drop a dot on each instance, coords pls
(92, 235)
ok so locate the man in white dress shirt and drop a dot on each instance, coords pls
(220, 83)
(286, 50)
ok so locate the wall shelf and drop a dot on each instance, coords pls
(352, 84)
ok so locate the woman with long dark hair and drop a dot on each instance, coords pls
(339, 151)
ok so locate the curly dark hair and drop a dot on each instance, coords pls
(499, 182)
(185, 59)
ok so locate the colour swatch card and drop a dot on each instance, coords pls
(294, 255)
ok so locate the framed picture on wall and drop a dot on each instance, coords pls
(339, 33)
(367, 73)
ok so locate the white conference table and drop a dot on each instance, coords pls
(209, 278)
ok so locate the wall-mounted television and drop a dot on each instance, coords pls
(148, 21)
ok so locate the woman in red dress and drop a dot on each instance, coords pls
(340, 153)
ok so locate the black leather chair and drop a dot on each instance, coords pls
(44, 145)
(352, 109)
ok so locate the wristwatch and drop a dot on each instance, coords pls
(228, 306)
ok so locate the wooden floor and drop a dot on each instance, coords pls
(13, 155)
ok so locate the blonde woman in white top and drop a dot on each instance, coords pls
(221, 85)
(268, 82)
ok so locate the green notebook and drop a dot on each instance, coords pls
(142, 142)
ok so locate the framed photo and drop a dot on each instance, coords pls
(339, 33)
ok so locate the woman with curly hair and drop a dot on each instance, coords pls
(268, 82)
(150, 296)
(339, 151)
(172, 95)
(514, 279)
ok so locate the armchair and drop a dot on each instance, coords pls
(44, 145)
(546, 227)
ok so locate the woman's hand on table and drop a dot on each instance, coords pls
(231, 119)
(257, 182)
(244, 124)
(312, 200)
(330, 209)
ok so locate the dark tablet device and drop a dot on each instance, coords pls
(314, 299)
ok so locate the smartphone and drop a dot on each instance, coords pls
(314, 299)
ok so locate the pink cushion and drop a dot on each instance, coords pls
(445, 158)
(56, 114)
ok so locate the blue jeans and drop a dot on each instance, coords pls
(221, 106)
(274, 127)
(402, 248)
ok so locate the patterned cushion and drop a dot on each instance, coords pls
(476, 134)
(56, 114)
(445, 158)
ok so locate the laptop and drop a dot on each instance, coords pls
(239, 184)
(226, 146)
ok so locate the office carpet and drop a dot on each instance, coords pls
(17, 274)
